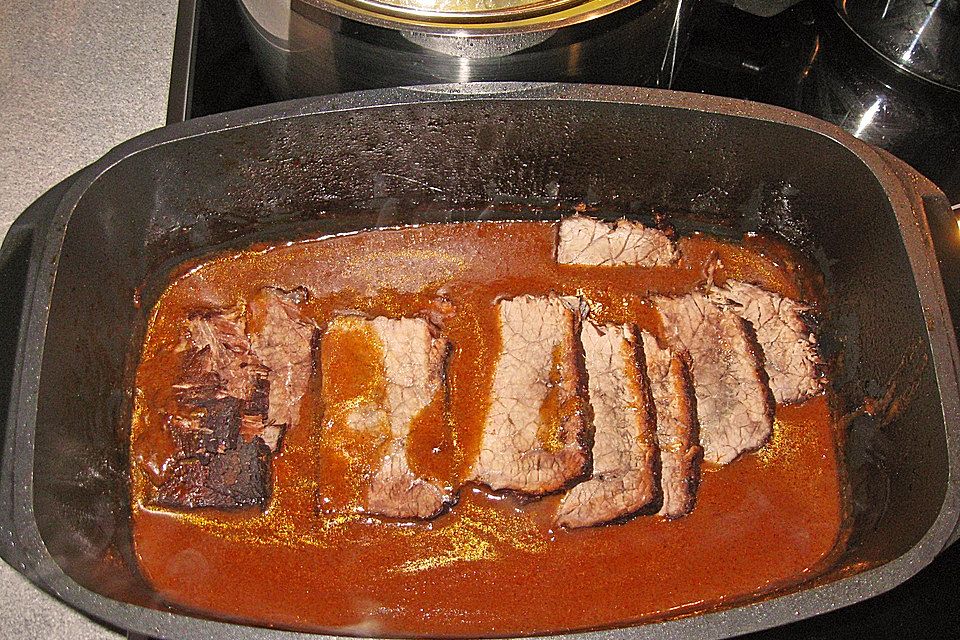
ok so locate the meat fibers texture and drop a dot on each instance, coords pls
(414, 355)
(734, 403)
(537, 433)
(587, 241)
(789, 346)
(677, 429)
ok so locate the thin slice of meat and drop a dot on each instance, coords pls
(284, 340)
(734, 403)
(588, 241)
(237, 392)
(789, 346)
(677, 431)
(233, 479)
(537, 435)
(267, 372)
(414, 355)
(624, 478)
(218, 361)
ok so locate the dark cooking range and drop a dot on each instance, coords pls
(858, 67)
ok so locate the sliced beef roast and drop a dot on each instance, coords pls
(284, 340)
(241, 386)
(587, 241)
(223, 470)
(789, 346)
(235, 479)
(734, 403)
(218, 360)
(414, 355)
(677, 429)
(536, 436)
(624, 476)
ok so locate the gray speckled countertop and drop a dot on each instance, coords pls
(76, 78)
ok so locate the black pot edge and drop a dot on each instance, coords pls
(31, 557)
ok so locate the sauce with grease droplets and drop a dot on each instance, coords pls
(492, 565)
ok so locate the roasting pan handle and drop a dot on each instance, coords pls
(19, 256)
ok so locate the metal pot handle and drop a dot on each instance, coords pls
(18, 258)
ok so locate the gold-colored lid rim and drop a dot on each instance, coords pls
(542, 15)
(496, 11)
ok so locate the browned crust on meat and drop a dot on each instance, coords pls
(690, 455)
(625, 475)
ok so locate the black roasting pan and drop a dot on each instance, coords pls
(83, 265)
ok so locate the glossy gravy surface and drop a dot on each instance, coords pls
(492, 565)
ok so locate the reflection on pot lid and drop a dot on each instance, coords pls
(919, 36)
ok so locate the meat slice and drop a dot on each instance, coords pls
(677, 429)
(413, 358)
(588, 241)
(789, 346)
(734, 403)
(624, 476)
(241, 386)
(284, 341)
(536, 436)
(218, 361)
(234, 479)
(221, 470)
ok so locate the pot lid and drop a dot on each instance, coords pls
(464, 11)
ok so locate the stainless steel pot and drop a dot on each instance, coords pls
(311, 47)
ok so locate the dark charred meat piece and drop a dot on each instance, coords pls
(412, 355)
(220, 469)
(536, 436)
(230, 480)
(734, 403)
(258, 404)
(220, 367)
(587, 241)
(789, 346)
(677, 430)
(221, 425)
(284, 341)
(212, 427)
(242, 383)
(624, 476)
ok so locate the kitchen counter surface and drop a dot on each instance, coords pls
(76, 78)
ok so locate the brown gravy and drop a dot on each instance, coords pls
(492, 565)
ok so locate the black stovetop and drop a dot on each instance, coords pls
(789, 60)
(803, 59)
